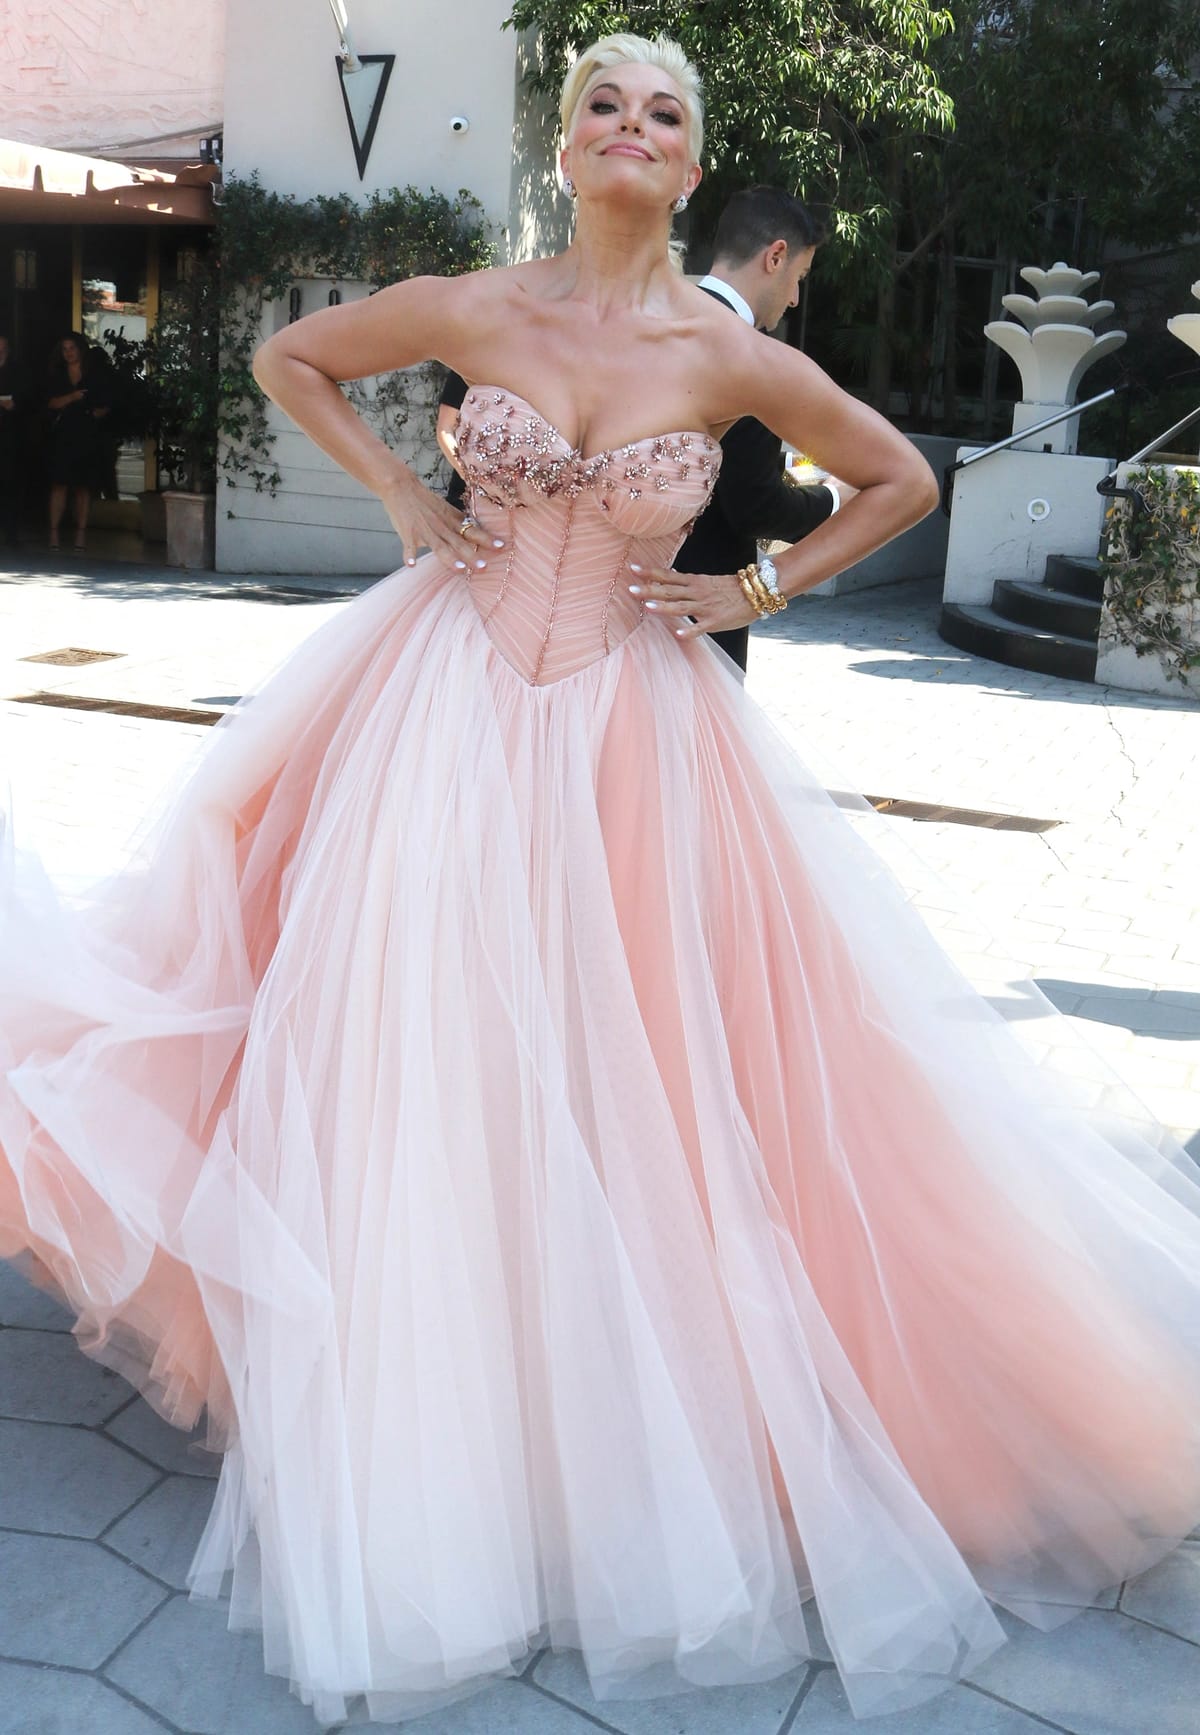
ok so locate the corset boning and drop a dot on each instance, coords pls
(557, 597)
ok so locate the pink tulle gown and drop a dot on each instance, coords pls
(511, 1095)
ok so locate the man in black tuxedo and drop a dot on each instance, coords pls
(763, 252)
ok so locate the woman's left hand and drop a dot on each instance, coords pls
(715, 602)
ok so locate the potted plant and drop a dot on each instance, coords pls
(182, 356)
(131, 413)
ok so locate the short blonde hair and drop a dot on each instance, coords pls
(637, 51)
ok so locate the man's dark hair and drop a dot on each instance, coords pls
(757, 216)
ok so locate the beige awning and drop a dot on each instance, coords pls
(39, 185)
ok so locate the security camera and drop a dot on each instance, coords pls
(459, 123)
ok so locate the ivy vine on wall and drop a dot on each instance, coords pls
(269, 240)
(1151, 567)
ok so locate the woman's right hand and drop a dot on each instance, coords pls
(423, 519)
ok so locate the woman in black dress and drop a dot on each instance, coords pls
(77, 408)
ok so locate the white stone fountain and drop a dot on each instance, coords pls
(1015, 508)
(1053, 345)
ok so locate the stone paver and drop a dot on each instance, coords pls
(43, 1378)
(1104, 909)
(1169, 1595)
(509, 1708)
(755, 1710)
(70, 1602)
(188, 1667)
(1101, 1674)
(960, 1712)
(22, 1304)
(66, 1481)
(162, 1532)
(145, 1433)
(35, 1700)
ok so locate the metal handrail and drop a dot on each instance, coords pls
(951, 470)
(1107, 485)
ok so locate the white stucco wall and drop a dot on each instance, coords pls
(283, 105)
(1012, 510)
(136, 77)
(284, 119)
(319, 520)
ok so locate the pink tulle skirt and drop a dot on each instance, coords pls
(589, 1204)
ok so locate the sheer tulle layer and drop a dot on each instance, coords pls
(589, 1203)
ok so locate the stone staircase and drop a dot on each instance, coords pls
(1051, 628)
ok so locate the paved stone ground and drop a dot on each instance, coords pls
(100, 1504)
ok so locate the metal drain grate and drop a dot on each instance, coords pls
(72, 656)
(118, 707)
(896, 808)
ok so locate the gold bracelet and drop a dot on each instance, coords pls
(754, 590)
(763, 600)
(750, 590)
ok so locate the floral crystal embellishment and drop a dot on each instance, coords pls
(517, 448)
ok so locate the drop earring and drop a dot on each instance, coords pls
(680, 204)
(568, 186)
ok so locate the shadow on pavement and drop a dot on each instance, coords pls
(1170, 1013)
(903, 618)
(127, 581)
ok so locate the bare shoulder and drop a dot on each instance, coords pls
(476, 308)
(736, 359)
(455, 303)
(760, 370)
(505, 287)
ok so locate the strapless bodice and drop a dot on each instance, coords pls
(557, 597)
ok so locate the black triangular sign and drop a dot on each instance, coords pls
(363, 93)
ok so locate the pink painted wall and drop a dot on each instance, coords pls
(130, 77)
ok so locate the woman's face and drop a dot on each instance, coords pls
(70, 351)
(630, 138)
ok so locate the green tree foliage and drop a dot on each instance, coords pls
(1078, 124)
(1077, 127)
(796, 91)
(1030, 129)
(182, 373)
(267, 240)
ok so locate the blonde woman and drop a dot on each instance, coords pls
(591, 1207)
